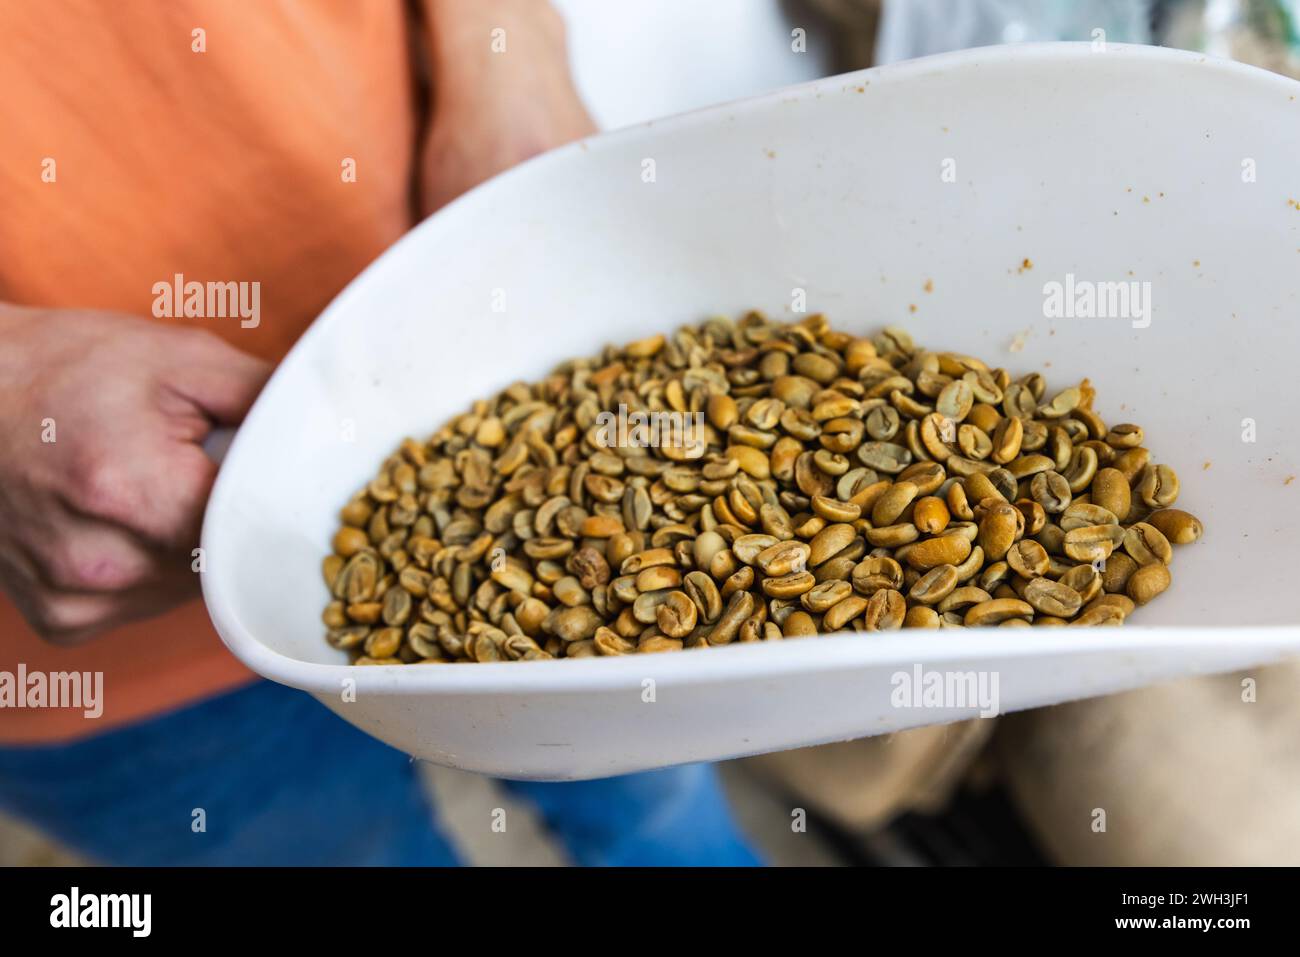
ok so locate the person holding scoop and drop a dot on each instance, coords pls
(275, 151)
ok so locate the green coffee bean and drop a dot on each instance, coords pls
(1110, 490)
(935, 585)
(1179, 527)
(1158, 487)
(1092, 543)
(1082, 515)
(1052, 598)
(919, 616)
(1147, 582)
(996, 611)
(962, 598)
(822, 597)
(1086, 580)
(839, 615)
(885, 611)
(884, 457)
(1147, 544)
(1028, 559)
(830, 541)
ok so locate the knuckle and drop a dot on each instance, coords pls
(99, 486)
(76, 568)
(61, 569)
(56, 623)
(200, 340)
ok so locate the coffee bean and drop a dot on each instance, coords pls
(609, 642)
(788, 586)
(1179, 527)
(995, 611)
(893, 503)
(1086, 580)
(892, 536)
(700, 588)
(884, 457)
(747, 548)
(1147, 582)
(872, 574)
(919, 616)
(799, 625)
(1083, 466)
(1115, 574)
(930, 515)
(1052, 598)
(1084, 514)
(1158, 486)
(1028, 559)
(573, 624)
(739, 607)
(997, 530)
(658, 578)
(935, 585)
(1122, 603)
(1146, 544)
(1051, 490)
(658, 643)
(1092, 543)
(358, 578)
(1007, 437)
(677, 615)
(1110, 490)
(839, 615)
(783, 558)
(947, 549)
(825, 595)
(829, 541)
(885, 611)
(1099, 616)
(955, 401)
(349, 637)
(962, 598)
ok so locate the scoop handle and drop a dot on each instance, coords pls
(217, 441)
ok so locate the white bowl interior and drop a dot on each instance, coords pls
(1116, 166)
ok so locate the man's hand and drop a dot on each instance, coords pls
(97, 526)
(494, 109)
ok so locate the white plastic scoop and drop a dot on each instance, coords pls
(944, 195)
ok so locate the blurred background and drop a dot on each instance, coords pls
(634, 62)
(1185, 774)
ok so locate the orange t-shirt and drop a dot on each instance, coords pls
(219, 155)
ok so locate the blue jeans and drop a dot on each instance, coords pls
(276, 778)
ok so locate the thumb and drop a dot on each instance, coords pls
(218, 378)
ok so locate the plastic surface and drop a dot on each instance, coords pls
(1126, 165)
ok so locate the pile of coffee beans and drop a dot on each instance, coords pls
(751, 481)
